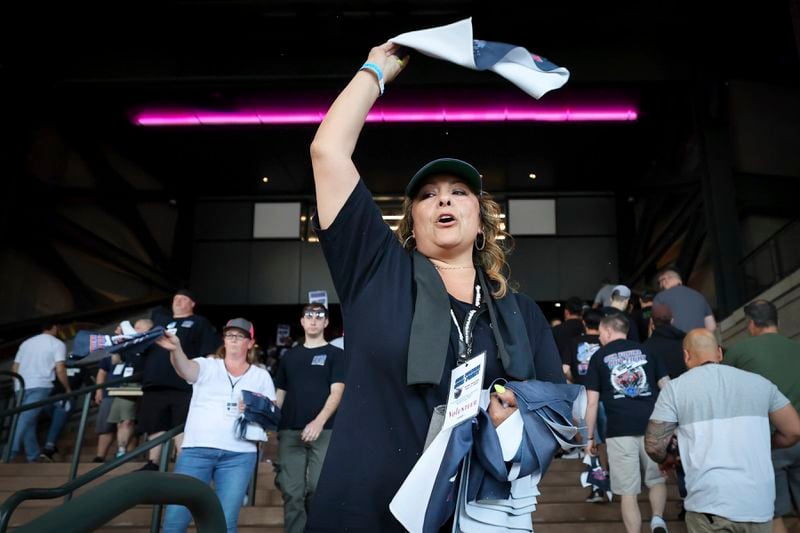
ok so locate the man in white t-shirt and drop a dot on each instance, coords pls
(39, 360)
(723, 416)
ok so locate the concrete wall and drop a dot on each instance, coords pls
(230, 267)
(785, 295)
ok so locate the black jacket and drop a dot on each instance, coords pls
(666, 343)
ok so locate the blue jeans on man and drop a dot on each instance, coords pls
(25, 435)
(230, 471)
(59, 414)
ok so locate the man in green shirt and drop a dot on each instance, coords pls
(777, 358)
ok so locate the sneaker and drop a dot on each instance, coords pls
(574, 454)
(44, 458)
(657, 525)
(97, 459)
(48, 454)
(120, 453)
(595, 496)
(149, 466)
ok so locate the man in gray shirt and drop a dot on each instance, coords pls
(689, 308)
(723, 416)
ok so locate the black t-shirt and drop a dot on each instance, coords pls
(381, 423)
(198, 339)
(564, 334)
(641, 319)
(627, 380)
(306, 374)
(580, 351)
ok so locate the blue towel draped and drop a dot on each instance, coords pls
(258, 409)
(86, 342)
(546, 411)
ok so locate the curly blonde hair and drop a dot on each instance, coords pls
(493, 256)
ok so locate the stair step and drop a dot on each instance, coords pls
(571, 478)
(576, 493)
(599, 527)
(546, 513)
(592, 512)
(141, 516)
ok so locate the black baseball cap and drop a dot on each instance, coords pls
(185, 292)
(445, 165)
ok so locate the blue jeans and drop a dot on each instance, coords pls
(26, 424)
(58, 420)
(230, 471)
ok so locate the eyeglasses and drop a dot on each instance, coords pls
(235, 336)
(315, 314)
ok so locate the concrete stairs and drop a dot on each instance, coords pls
(561, 506)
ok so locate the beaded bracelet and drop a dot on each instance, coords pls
(375, 69)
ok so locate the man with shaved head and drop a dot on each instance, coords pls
(722, 416)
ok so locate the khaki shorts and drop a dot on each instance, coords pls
(707, 523)
(122, 409)
(626, 461)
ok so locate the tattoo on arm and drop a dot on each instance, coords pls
(657, 438)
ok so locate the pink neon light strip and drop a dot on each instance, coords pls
(473, 114)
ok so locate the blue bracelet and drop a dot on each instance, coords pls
(375, 69)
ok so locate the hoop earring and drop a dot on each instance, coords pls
(405, 242)
(483, 242)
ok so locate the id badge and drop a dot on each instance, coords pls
(118, 369)
(231, 409)
(128, 372)
(463, 400)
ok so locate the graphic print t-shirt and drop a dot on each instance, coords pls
(581, 350)
(627, 380)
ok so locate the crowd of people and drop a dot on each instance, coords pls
(191, 376)
(418, 304)
(725, 424)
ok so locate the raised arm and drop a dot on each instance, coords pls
(184, 367)
(335, 175)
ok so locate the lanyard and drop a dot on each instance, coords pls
(465, 330)
(234, 383)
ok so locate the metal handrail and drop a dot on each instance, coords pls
(776, 254)
(17, 396)
(13, 501)
(16, 376)
(65, 396)
(769, 240)
(101, 504)
(73, 484)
